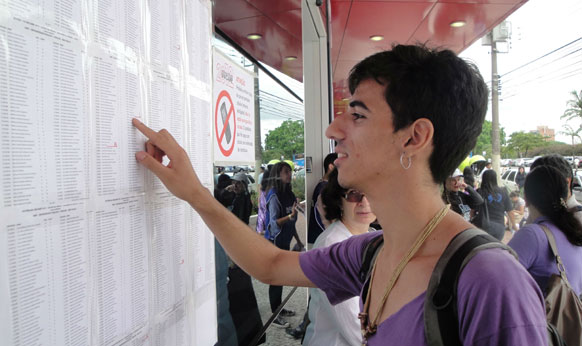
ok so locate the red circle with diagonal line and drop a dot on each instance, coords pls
(230, 113)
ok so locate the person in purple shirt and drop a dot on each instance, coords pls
(546, 191)
(414, 115)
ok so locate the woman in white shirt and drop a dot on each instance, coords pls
(350, 214)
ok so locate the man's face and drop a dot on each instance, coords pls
(366, 144)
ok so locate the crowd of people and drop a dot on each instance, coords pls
(414, 115)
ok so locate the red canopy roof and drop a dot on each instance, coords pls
(352, 24)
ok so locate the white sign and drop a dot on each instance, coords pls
(234, 111)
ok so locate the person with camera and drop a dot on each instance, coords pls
(461, 196)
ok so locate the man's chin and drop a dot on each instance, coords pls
(343, 180)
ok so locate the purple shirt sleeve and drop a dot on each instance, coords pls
(499, 303)
(335, 269)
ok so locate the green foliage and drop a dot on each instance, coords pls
(269, 155)
(574, 110)
(570, 131)
(558, 148)
(521, 143)
(484, 139)
(298, 187)
(255, 201)
(285, 140)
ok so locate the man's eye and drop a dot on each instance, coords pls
(357, 116)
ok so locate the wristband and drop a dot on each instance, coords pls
(290, 216)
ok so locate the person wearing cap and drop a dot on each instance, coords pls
(460, 196)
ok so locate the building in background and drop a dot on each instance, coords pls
(546, 132)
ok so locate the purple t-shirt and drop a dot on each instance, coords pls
(498, 301)
(533, 250)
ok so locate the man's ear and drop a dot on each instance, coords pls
(418, 136)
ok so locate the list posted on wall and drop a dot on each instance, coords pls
(93, 249)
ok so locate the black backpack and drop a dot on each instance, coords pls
(441, 323)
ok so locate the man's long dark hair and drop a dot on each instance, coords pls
(546, 189)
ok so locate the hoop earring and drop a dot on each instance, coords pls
(402, 163)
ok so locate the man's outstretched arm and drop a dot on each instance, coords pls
(250, 251)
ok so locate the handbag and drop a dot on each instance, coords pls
(481, 220)
(563, 306)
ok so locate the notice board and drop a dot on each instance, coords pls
(93, 249)
(233, 97)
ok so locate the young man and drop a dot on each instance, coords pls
(414, 115)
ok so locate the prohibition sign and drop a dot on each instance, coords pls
(224, 96)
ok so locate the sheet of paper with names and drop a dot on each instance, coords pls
(93, 249)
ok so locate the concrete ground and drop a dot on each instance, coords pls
(298, 302)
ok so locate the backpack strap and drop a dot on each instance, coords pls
(369, 255)
(441, 324)
(554, 248)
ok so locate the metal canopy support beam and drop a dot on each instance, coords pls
(316, 83)
(254, 61)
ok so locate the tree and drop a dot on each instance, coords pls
(574, 109)
(484, 139)
(521, 142)
(285, 140)
(569, 131)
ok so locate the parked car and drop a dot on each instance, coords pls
(508, 179)
(519, 162)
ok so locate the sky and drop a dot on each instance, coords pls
(277, 104)
(543, 64)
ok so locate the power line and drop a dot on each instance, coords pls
(267, 94)
(537, 77)
(568, 56)
(551, 52)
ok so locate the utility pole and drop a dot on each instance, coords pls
(500, 33)
(258, 153)
(495, 138)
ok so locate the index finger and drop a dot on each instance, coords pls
(146, 131)
(154, 137)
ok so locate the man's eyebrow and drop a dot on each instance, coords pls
(357, 103)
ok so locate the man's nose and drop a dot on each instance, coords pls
(335, 129)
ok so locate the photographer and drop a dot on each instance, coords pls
(462, 197)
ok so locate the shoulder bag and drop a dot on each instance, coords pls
(563, 306)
